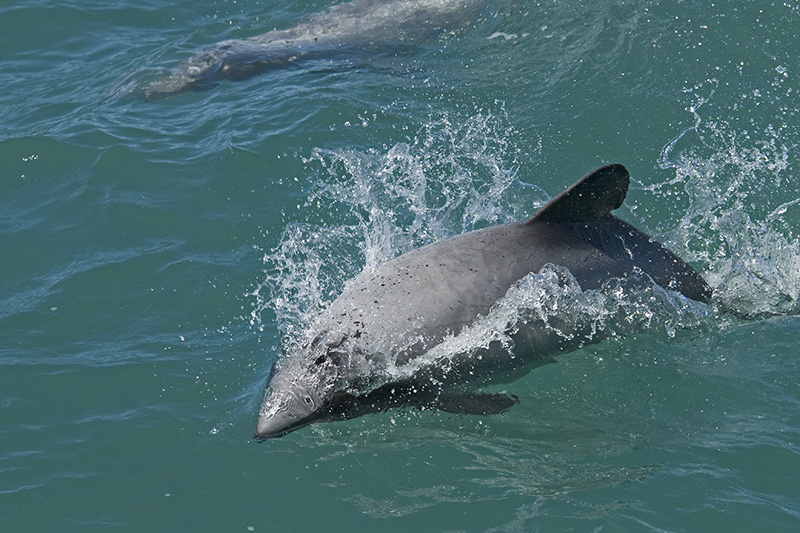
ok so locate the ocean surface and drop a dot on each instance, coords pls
(157, 256)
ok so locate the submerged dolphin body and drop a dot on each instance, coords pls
(370, 350)
(360, 25)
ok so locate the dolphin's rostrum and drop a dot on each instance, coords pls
(371, 349)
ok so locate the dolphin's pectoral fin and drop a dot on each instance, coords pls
(476, 404)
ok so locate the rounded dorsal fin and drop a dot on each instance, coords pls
(592, 197)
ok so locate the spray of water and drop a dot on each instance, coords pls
(454, 176)
(744, 210)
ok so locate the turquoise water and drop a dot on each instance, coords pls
(158, 255)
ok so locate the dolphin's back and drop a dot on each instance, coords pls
(586, 208)
(411, 303)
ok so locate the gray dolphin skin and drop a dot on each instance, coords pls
(340, 31)
(370, 349)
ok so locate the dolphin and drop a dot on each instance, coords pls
(357, 26)
(370, 350)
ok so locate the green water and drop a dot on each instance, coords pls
(157, 255)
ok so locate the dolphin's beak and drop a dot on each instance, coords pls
(285, 408)
(277, 426)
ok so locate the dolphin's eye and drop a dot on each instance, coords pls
(308, 400)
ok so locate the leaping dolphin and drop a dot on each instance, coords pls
(357, 26)
(370, 350)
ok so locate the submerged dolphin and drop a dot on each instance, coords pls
(370, 350)
(360, 25)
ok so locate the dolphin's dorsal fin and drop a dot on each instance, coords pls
(592, 197)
